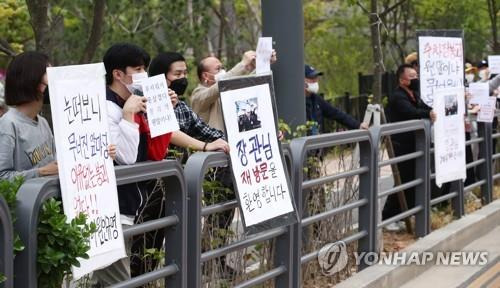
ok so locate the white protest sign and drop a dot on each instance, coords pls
(160, 112)
(264, 52)
(480, 92)
(256, 161)
(441, 65)
(449, 135)
(487, 112)
(494, 64)
(86, 172)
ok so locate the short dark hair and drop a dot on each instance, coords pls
(401, 70)
(123, 55)
(161, 63)
(24, 73)
(200, 68)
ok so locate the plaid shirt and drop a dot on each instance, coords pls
(191, 124)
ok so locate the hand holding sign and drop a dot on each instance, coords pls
(133, 105)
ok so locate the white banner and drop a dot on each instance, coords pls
(160, 112)
(255, 156)
(449, 135)
(441, 65)
(86, 172)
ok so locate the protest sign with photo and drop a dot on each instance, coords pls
(449, 135)
(86, 172)
(263, 188)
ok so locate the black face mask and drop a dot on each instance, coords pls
(46, 97)
(414, 84)
(179, 86)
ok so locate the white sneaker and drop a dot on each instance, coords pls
(395, 226)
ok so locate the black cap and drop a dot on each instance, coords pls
(311, 72)
(482, 63)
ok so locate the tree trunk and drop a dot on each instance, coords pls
(492, 11)
(231, 25)
(38, 10)
(377, 53)
(95, 32)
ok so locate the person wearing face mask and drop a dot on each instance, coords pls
(139, 202)
(317, 108)
(483, 71)
(470, 73)
(205, 97)
(405, 104)
(173, 65)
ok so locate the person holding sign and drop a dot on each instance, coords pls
(173, 65)
(26, 142)
(129, 128)
(405, 104)
(205, 98)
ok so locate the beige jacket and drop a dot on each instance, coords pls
(205, 101)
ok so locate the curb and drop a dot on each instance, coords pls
(452, 237)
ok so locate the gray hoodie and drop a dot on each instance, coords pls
(25, 145)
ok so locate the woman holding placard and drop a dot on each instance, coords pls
(27, 146)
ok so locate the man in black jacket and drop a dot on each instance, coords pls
(405, 104)
(317, 108)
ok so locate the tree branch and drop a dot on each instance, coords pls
(389, 10)
(362, 7)
(95, 32)
(5, 48)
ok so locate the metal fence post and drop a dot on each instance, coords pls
(176, 204)
(29, 201)
(368, 189)
(6, 245)
(422, 171)
(297, 147)
(194, 173)
(284, 243)
(485, 169)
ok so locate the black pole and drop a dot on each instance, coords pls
(283, 20)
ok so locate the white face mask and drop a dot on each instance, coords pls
(469, 78)
(483, 74)
(135, 87)
(313, 87)
(220, 75)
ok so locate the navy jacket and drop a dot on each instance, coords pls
(317, 109)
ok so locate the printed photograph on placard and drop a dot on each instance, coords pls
(248, 115)
(450, 105)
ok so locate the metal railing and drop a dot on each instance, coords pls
(195, 170)
(185, 211)
(35, 192)
(365, 203)
(422, 167)
(6, 245)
